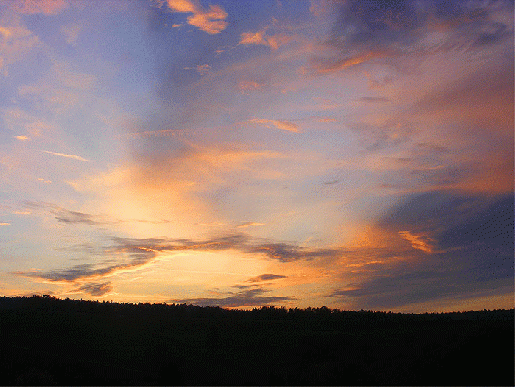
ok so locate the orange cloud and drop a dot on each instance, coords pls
(279, 124)
(171, 188)
(252, 38)
(420, 242)
(211, 21)
(259, 38)
(47, 7)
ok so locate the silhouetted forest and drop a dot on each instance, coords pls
(49, 341)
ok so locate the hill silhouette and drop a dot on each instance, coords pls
(50, 341)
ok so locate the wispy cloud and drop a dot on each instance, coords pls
(249, 224)
(70, 217)
(201, 69)
(266, 277)
(363, 32)
(260, 38)
(75, 217)
(279, 124)
(75, 157)
(211, 21)
(143, 251)
(420, 242)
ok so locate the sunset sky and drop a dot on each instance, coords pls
(353, 154)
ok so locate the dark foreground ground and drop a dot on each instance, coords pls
(47, 341)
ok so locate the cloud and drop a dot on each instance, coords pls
(420, 242)
(320, 8)
(279, 124)
(158, 133)
(259, 38)
(374, 99)
(75, 157)
(66, 216)
(284, 252)
(132, 253)
(200, 175)
(18, 120)
(325, 119)
(464, 244)
(71, 33)
(16, 43)
(211, 21)
(96, 289)
(75, 217)
(129, 258)
(47, 7)
(249, 297)
(377, 29)
(201, 69)
(60, 90)
(266, 277)
(249, 224)
(323, 65)
(248, 86)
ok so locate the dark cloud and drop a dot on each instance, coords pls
(96, 289)
(286, 252)
(283, 252)
(266, 277)
(436, 211)
(66, 216)
(141, 251)
(489, 230)
(88, 270)
(249, 297)
(135, 256)
(398, 289)
(364, 30)
(473, 254)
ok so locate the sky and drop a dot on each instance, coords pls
(352, 154)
